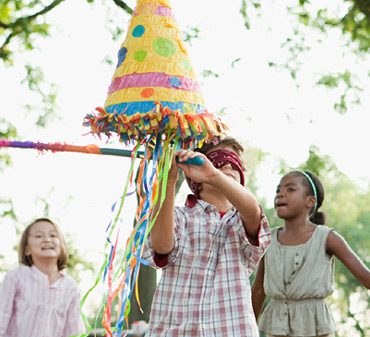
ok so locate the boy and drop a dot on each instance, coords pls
(207, 249)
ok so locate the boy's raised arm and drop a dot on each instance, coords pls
(243, 200)
(162, 233)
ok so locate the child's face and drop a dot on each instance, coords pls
(43, 242)
(291, 198)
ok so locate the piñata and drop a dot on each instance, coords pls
(154, 102)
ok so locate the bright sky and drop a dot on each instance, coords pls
(263, 107)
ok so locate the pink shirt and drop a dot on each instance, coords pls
(204, 290)
(30, 307)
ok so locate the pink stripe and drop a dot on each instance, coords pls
(161, 11)
(152, 80)
(164, 11)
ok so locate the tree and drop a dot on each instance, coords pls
(22, 23)
(317, 20)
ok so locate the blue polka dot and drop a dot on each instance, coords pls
(121, 56)
(175, 82)
(138, 31)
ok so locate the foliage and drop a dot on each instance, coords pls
(6, 205)
(76, 262)
(354, 23)
(192, 34)
(350, 217)
(22, 23)
(252, 159)
(6, 212)
(7, 130)
(349, 17)
(25, 21)
(47, 92)
(244, 9)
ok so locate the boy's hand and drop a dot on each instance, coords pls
(199, 173)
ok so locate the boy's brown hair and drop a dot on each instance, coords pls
(224, 142)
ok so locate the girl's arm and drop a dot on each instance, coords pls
(162, 233)
(336, 245)
(258, 292)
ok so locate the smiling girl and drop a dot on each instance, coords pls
(38, 298)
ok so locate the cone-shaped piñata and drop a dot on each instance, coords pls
(154, 100)
(154, 89)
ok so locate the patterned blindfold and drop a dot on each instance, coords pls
(220, 158)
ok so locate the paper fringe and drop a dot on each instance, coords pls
(189, 128)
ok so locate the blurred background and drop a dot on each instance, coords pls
(290, 78)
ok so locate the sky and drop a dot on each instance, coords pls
(263, 107)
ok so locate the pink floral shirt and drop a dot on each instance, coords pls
(30, 307)
(204, 289)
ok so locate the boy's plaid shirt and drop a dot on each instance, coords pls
(204, 289)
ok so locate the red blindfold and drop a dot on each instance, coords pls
(220, 158)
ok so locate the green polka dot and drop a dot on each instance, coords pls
(140, 55)
(164, 47)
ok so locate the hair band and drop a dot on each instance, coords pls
(313, 188)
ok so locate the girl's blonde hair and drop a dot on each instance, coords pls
(27, 259)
